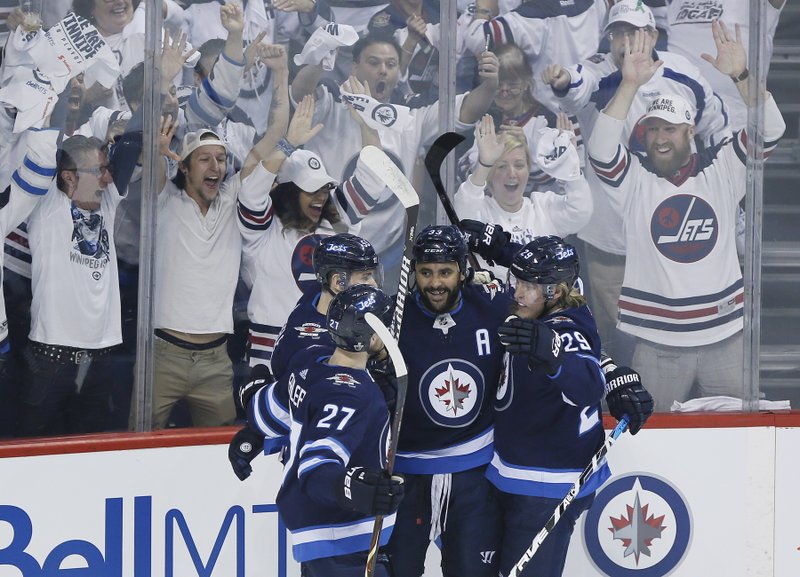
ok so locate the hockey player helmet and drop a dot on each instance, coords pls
(546, 260)
(344, 253)
(346, 324)
(441, 243)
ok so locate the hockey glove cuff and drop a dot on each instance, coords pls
(485, 239)
(260, 377)
(370, 491)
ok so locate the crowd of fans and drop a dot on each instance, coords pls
(266, 106)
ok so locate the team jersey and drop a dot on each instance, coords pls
(277, 261)
(548, 32)
(339, 419)
(541, 214)
(27, 184)
(304, 327)
(74, 281)
(454, 362)
(594, 82)
(682, 285)
(690, 35)
(547, 427)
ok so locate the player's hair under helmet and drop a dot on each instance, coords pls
(546, 260)
(343, 253)
(346, 324)
(441, 243)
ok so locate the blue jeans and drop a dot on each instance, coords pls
(523, 518)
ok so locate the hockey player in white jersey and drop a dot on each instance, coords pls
(682, 296)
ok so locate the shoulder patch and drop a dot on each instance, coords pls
(597, 58)
(344, 379)
(559, 319)
(310, 330)
(380, 20)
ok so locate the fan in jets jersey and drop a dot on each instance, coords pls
(548, 420)
(683, 285)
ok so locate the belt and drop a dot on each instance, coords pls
(57, 353)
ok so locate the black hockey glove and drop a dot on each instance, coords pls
(370, 491)
(245, 446)
(625, 395)
(485, 239)
(260, 377)
(533, 338)
(383, 374)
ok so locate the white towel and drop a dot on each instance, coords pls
(321, 47)
(379, 115)
(721, 403)
(556, 155)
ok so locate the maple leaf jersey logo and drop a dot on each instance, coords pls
(453, 393)
(344, 379)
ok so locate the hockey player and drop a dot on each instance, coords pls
(339, 261)
(454, 357)
(340, 426)
(682, 295)
(548, 420)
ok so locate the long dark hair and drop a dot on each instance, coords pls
(286, 201)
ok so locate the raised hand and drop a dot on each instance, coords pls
(294, 5)
(300, 129)
(731, 57)
(251, 53)
(273, 56)
(416, 27)
(165, 135)
(556, 76)
(490, 144)
(564, 124)
(638, 65)
(173, 55)
(488, 67)
(231, 16)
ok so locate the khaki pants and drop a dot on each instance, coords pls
(204, 378)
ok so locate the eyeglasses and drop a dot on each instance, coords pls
(511, 87)
(98, 171)
(622, 33)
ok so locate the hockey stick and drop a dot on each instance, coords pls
(401, 372)
(516, 571)
(396, 181)
(438, 151)
(393, 177)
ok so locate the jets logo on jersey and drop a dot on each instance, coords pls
(385, 114)
(451, 392)
(638, 526)
(302, 268)
(684, 228)
(344, 379)
(505, 386)
(310, 330)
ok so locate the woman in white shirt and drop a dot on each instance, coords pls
(494, 191)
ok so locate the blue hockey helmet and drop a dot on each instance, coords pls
(441, 243)
(546, 260)
(343, 253)
(346, 324)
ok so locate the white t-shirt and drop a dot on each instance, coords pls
(74, 272)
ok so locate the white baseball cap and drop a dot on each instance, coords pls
(672, 108)
(632, 12)
(305, 169)
(194, 140)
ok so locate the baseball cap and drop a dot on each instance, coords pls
(672, 108)
(194, 140)
(305, 169)
(632, 12)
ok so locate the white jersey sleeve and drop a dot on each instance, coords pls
(216, 95)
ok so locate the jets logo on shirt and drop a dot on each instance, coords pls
(344, 379)
(310, 330)
(451, 392)
(684, 228)
(302, 267)
(386, 114)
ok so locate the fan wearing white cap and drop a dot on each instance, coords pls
(494, 191)
(584, 88)
(682, 296)
(280, 229)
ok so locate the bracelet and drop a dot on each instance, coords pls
(485, 165)
(285, 147)
(743, 76)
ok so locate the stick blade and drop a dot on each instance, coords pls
(400, 369)
(379, 163)
(439, 150)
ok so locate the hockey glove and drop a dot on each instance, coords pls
(485, 239)
(625, 395)
(533, 338)
(383, 374)
(243, 448)
(370, 491)
(260, 377)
